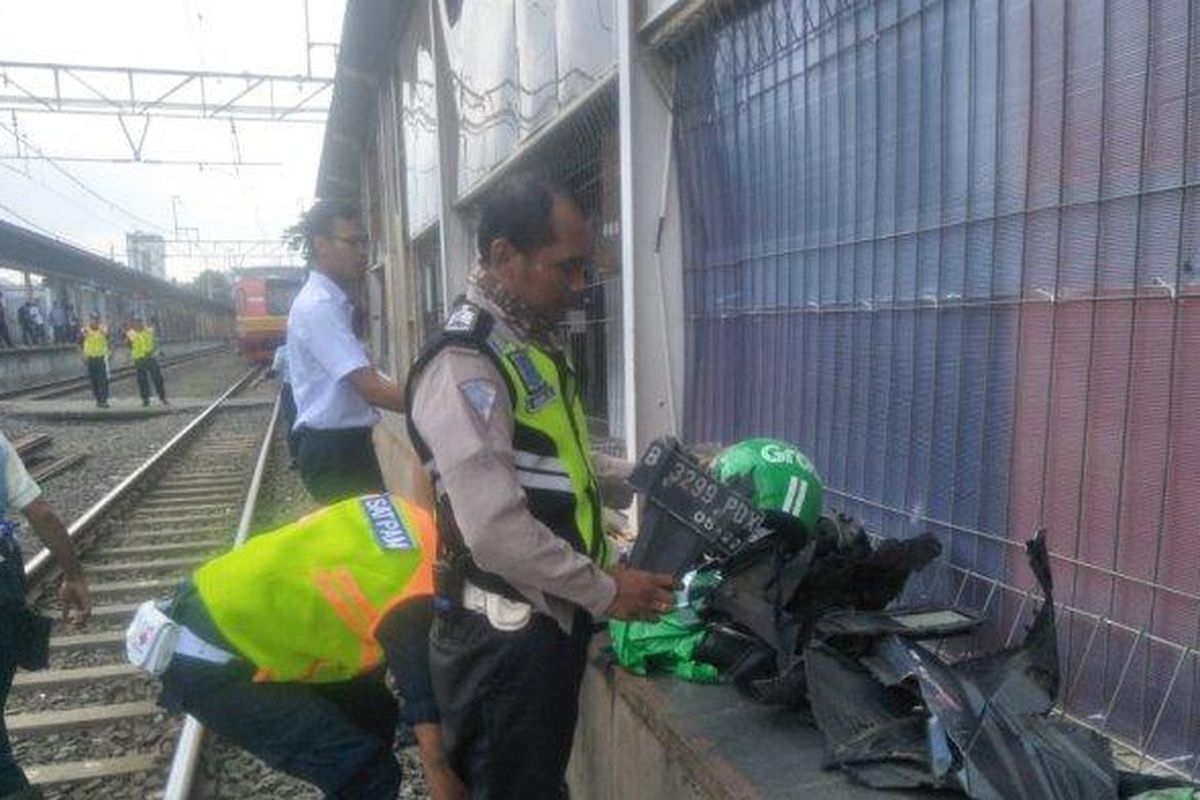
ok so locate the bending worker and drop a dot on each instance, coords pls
(141, 349)
(25, 636)
(496, 418)
(282, 644)
(94, 343)
(335, 387)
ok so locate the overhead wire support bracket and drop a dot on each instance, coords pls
(205, 94)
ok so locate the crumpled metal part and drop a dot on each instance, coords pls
(990, 713)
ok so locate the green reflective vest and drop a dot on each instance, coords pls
(302, 602)
(95, 342)
(550, 440)
(141, 343)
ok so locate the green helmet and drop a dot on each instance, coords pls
(778, 476)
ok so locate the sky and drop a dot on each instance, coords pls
(95, 205)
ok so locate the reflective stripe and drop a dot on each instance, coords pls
(547, 464)
(540, 480)
(192, 646)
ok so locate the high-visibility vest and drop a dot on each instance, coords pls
(95, 342)
(302, 603)
(550, 441)
(141, 343)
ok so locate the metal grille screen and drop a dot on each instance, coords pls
(949, 248)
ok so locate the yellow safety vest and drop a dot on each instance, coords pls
(302, 602)
(141, 343)
(550, 441)
(95, 342)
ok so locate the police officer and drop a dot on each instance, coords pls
(497, 419)
(141, 349)
(335, 387)
(282, 643)
(94, 344)
(24, 636)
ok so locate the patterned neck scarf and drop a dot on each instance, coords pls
(525, 322)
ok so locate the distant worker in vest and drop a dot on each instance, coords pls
(142, 347)
(281, 646)
(336, 389)
(496, 417)
(24, 635)
(94, 343)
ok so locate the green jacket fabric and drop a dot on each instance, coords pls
(666, 646)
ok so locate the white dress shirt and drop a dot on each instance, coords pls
(322, 351)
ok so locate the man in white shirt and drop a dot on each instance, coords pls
(334, 385)
(24, 635)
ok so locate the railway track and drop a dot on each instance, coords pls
(65, 386)
(89, 726)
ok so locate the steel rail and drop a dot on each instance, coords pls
(191, 739)
(37, 567)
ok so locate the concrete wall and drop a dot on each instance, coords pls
(26, 366)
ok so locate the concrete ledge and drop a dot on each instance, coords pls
(665, 738)
(119, 407)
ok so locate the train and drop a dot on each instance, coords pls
(261, 299)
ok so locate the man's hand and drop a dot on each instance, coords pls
(443, 782)
(76, 600)
(50, 529)
(641, 595)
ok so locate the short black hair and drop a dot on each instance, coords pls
(519, 210)
(318, 220)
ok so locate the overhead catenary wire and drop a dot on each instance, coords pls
(115, 206)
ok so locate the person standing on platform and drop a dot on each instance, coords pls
(287, 402)
(141, 349)
(37, 322)
(58, 322)
(27, 336)
(24, 635)
(496, 417)
(94, 343)
(4, 336)
(335, 387)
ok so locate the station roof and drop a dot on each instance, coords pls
(368, 32)
(23, 249)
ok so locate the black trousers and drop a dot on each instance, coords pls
(147, 371)
(509, 701)
(339, 463)
(98, 375)
(4, 337)
(287, 405)
(335, 736)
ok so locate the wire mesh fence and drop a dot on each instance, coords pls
(948, 247)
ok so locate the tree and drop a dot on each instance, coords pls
(213, 284)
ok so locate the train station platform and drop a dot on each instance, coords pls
(26, 366)
(662, 737)
(118, 407)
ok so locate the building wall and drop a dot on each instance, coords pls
(946, 247)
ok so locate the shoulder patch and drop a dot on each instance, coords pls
(387, 527)
(464, 318)
(481, 394)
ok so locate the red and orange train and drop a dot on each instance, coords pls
(261, 299)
